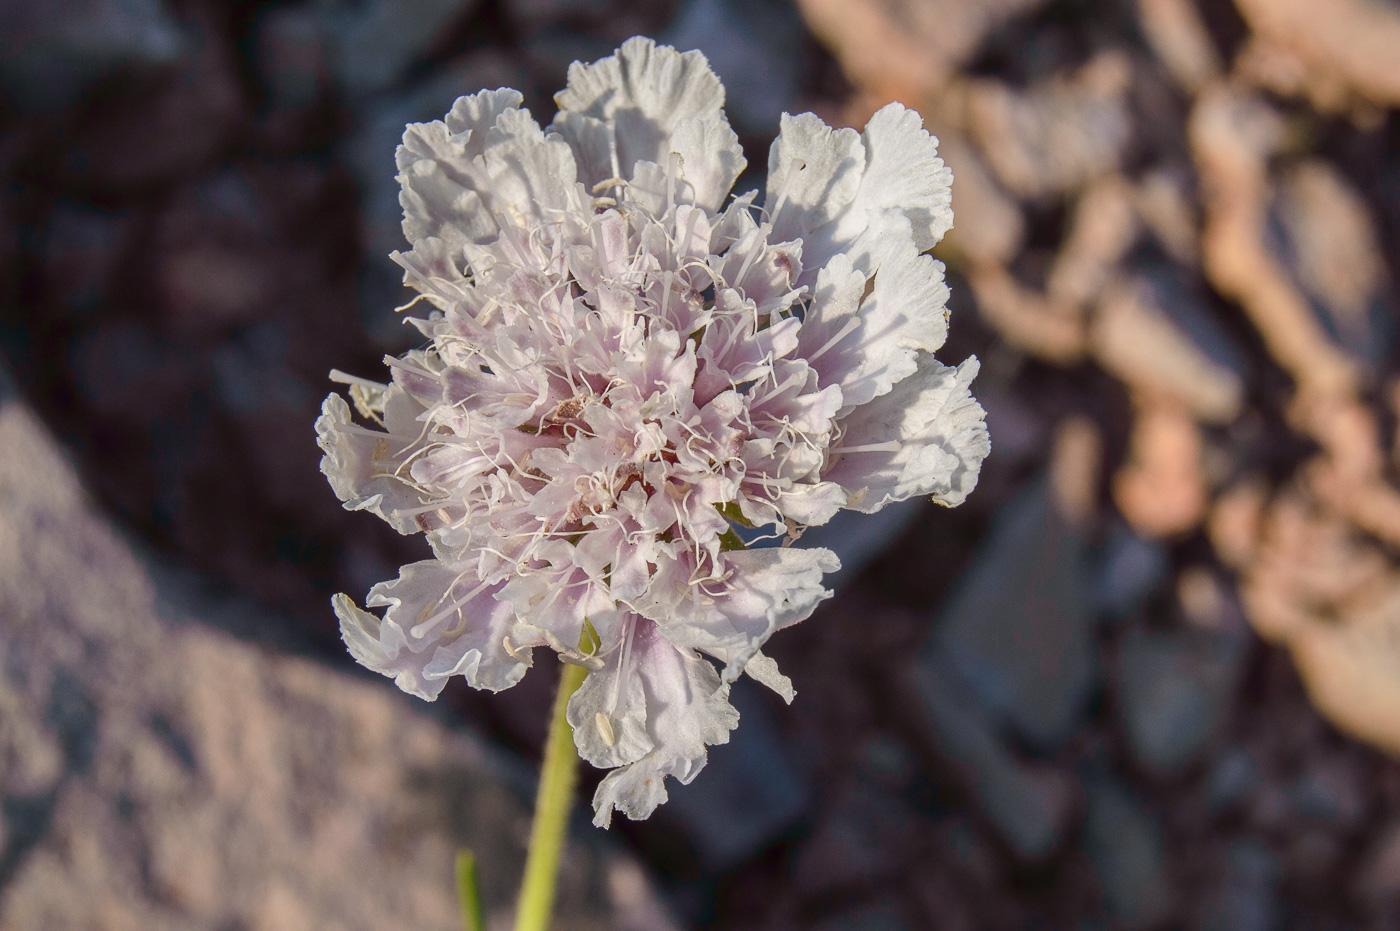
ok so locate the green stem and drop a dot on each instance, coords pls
(469, 892)
(552, 804)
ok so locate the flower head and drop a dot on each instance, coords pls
(624, 363)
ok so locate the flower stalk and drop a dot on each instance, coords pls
(553, 800)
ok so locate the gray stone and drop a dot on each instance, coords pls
(749, 793)
(290, 55)
(1123, 839)
(1175, 694)
(1028, 804)
(1233, 779)
(372, 44)
(1247, 899)
(753, 46)
(1019, 627)
(858, 539)
(55, 51)
(158, 774)
(874, 916)
(1132, 568)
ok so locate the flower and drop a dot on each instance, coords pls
(625, 365)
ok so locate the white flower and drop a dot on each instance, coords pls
(624, 364)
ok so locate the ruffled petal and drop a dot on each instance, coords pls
(645, 90)
(925, 437)
(440, 623)
(763, 670)
(767, 590)
(460, 185)
(687, 709)
(704, 159)
(439, 196)
(866, 342)
(360, 465)
(608, 713)
(831, 187)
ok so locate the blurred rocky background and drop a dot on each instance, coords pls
(1147, 677)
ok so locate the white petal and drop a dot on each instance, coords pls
(440, 622)
(687, 709)
(646, 90)
(903, 171)
(763, 670)
(456, 185)
(939, 433)
(867, 348)
(811, 504)
(814, 173)
(711, 160)
(831, 187)
(435, 168)
(532, 176)
(356, 462)
(767, 590)
(609, 711)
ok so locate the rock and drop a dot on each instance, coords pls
(159, 774)
(1018, 626)
(750, 791)
(858, 539)
(863, 836)
(1175, 694)
(1247, 897)
(1132, 569)
(160, 124)
(55, 52)
(875, 916)
(372, 44)
(81, 253)
(1233, 778)
(1377, 880)
(753, 46)
(1028, 804)
(1123, 839)
(289, 54)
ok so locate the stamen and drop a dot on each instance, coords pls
(846, 330)
(605, 729)
(425, 626)
(893, 446)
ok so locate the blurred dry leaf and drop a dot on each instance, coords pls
(1236, 522)
(1026, 320)
(1102, 230)
(905, 49)
(1352, 670)
(1354, 41)
(1160, 490)
(1056, 136)
(1075, 466)
(1232, 134)
(1135, 340)
(1179, 38)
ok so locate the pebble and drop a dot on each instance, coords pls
(1175, 694)
(1019, 627)
(1123, 839)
